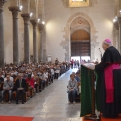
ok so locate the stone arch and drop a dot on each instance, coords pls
(66, 42)
(78, 28)
(77, 35)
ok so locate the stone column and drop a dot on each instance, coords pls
(15, 10)
(35, 55)
(92, 51)
(41, 43)
(119, 23)
(26, 18)
(116, 35)
(1, 34)
(44, 45)
(44, 54)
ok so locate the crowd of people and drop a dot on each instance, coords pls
(23, 77)
(74, 63)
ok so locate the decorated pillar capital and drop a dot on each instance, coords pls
(116, 25)
(119, 20)
(2, 3)
(26, 18)
(40, 26)
(34, 23)
(14, 10)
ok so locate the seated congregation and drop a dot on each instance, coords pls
(23, 81)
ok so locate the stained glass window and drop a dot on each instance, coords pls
(78, 0)
(78, 3)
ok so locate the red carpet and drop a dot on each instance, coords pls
(108, 119)
(15, 118)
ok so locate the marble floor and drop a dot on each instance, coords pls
(49, 105)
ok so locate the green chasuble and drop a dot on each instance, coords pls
(86, 91)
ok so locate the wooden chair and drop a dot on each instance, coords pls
(25, 96)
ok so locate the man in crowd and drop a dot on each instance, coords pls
(21, 87)
(1, 78)
(77, 77)
(56, 61)
(7, 87)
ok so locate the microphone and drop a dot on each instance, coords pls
(100, 52)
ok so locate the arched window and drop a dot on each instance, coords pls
(78, 3)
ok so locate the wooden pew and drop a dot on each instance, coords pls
(49, 78)
(6, 97)
(40, 85)
(31, 91)
(37, 84)
(1, 86)
(47, 82)
(25, 96)
(37, 88)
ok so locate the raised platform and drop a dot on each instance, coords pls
(107, 119)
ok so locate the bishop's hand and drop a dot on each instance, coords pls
(91, 66)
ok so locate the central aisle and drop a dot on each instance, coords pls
(49, 105)
(56, 107)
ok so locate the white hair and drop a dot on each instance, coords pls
(109, 44)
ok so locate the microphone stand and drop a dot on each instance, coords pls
(100, 54)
